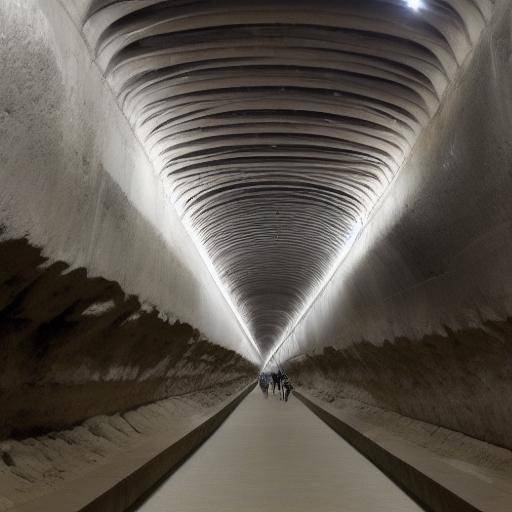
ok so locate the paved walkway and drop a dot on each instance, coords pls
(271, 455)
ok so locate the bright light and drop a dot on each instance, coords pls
(336, 264)
(218, 281)
(414, 4)
(158, 163)
(356, 231)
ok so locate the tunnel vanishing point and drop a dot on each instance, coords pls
(194, 191)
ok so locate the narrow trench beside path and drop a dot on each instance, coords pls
(277, 456)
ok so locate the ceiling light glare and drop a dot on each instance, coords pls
(213, 272)
(415, 5)
(218, 281)
(356, 230)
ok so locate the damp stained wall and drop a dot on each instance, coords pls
(105, 303)
(77, 182)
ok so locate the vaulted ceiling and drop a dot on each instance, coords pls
(277, 124)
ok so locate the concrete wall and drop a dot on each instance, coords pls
(76, 183)
(418, 318)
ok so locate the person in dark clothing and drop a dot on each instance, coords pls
(287, 388)
(280, 375)
(282, 379)
(264, 383)
(275, 382)
(285, 385)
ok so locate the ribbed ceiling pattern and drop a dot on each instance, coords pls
(278, 124)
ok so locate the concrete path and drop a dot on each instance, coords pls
(271, 455)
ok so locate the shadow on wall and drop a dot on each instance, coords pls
(73, 347)
(450, 381)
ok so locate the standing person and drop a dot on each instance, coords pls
(284, 378)
(264, 383)
(279, 381)
(275, 382)
(287, 388)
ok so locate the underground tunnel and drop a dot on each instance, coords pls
(255, 255)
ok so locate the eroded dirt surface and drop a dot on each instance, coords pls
(73, 347)
(39, 465)
(460, 381)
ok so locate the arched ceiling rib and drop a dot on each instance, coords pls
(278, 124)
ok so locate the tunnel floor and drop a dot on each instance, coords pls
(277, 456)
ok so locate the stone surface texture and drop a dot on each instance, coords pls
(277, 125)
(151, 150)
(75, 346)
(36, 466)
(417, 318)
(78, 183)
(105, 303)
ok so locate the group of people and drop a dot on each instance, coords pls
(278, 380)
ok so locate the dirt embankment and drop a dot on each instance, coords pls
(460, 381)
(35, 466)
(73, 347)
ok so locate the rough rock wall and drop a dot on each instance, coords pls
(418, 317)
(74, 347)
(77, 182)
(117, 309)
